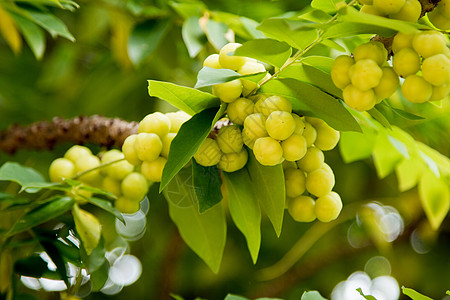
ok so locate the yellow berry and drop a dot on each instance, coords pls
(409, 12)
(328, 207)
(129, 150)
(280, 125)
(294, 182)
(275, 103)
(212, 61)
(327, 137)
(134, 186)
(319, 182)
(388, 84)
(268, 151)
(340, 71)
(358, 99)
(239, 110)
(230, 61)
(416, 89)
(389, 6)
(231, 162)
(373, 51)
(77, 151)
(177, 119)
(228, 91)
(157, 123)
(294, 147)
(406, 62)
(402, 40)
(436, 69)
(61, 168)
(429, 43)
(126, 206)
(166, 142)
(208, 154)
(312, 160)
(152, 170)
(148, 146)
(365, 74)
(302, 209)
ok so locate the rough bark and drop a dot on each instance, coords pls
(45, 135)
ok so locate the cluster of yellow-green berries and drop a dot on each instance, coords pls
(309, 181)
(108, 171)
(423, 59)
(406, 10)
(365, 78)
(440, 15)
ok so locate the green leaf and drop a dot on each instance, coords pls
(322, 63)
(57, 259)
(409, 172)
(32, 33)
(106, 206)
(207, 183)
(188, 9)
(388, 153)
(191, 135)
(435, 197)
(413, 294)
(25, 176)
(387, 109)
(88, 228)
(309, 74)
(349, 29)
(99, 277)
(309, 100)
(357, 146)
(204, 233)
(216, 32)
(187, 99)
(328, 6)
(52, 24)
(43, 213)
(368, 297)
(234, 297)
(193, 36)
(270, 51)
(442, 161)
(208, 76)
(312, 295)
(280, 30)
(180, 190)
(145, 38)
(244, 208)
(269, 187)
(377, 115)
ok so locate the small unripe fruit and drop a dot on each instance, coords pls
(372, 10)
(157, 123)
(409, 12)
(389, 6)
(436, 69)
(228, 91)
(85, 163)
(406, 62)
(239, 110)
(439, 20)
(152, 170)
(312, 160)
(280, 125)
(340, 71)
(316, 122)
(388, 84)
(295, 182)
(117, 170)
(112, 186)
(177, 119)
(358, 99)
(309, 133)
(77, 151)
(444, 8)
(302, 209)
(402, 40)
(416, 89)
(231, 162)
(127, 206)
(327, 137)
(328, 207)
(373, 51)
(268, 151)
(148, 146)
(294, 147)
(61, 168)
(129, 150)
(250, 67)
(167, 141)
(134, 186)
(275, 103)
(299, 124)
(255, 125)
(429, 43)
(319, 182)
(365, 74)
(230, 61)
(229, 139)
(208, 154)
(212, 61)
(440, 92)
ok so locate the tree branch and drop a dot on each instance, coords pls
(79, 130)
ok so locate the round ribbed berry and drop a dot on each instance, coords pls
(231, 162)
(134, 186)
(208, 154)
(416, 89)
(228, 91)
(157, 123)
(229, 139)
(302, 209)
(61, 168)
(312, 160)
(328, 207)
(239, 110)
(152, 170)
(129, 150)
(268, 151)
(294, 147)
(148, 146)
(295, 182)
(280, 125)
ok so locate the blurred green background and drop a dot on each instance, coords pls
(94, 75)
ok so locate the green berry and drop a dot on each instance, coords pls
(228, 91)
(134, 186)
(275, 103)
(239, 110)
(177, 119)
(440, 92)
(389, 6)
(295, 182)
(148, 146)
(129, 150)
(157, 123)
(280, 125)
(406, 62)
(212, 61)
(208, 154)
(327, 137)
(340, 71)
(436, 69)
(126, 206)
(320, 182)
(77, 151)
(112, 186)
(231, 162)
(312, 160)
(416, 89)
(365, 74)
(85, 163)
(250, 67)
(302, 209)
(374, 51)
(229, 139)
(294, 147)
(167, 141)
(328, 207)
(299, 124)
(402, 40)
(438, 19)
(388, 84)
(410, 12)
(61, 168)
(117, 170)
(268, 151)
(309, 133)
(152, 170)
(429, 43)
(230, 61)
(255, 126)
(358, 99)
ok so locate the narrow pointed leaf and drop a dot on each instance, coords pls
(106, 206)
(32, 33)
(52, 24)
(208, 76)
(207, 183)
(435, 197)
(244, 208)
(88, 228)
(414, 295)
(270, 51)
(193, 36)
